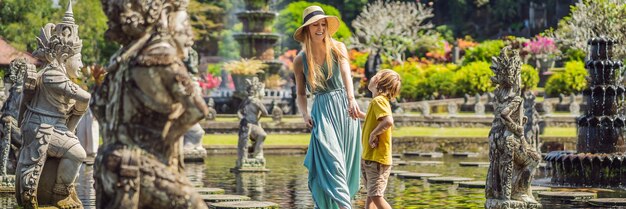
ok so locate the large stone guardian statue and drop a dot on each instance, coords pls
(10, 134)
(146, 103)
(513, 160)
(51, 107)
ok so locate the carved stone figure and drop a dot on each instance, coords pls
(148, 102)
(277, 112)
(51, 107)
(11, 136)
(250, 112)
(531, 128)
(212, 112)
(513, 160)
(192, 147)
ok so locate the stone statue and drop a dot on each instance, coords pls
(250, 112)
(212, 112)
(277, 112)
(531, 128)
(192, 147)
(148, 102)
(513, 160)
(11, 136)
(52, 104)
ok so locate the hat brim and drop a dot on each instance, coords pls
(332, 23)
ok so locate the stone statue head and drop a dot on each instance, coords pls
(255, 88)
(60, 45)
(507, 69)
(132, 19)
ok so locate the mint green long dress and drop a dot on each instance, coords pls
(334, 154)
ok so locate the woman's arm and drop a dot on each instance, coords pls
(298, 70)
(346, 75)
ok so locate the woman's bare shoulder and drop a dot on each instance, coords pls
(297, 62)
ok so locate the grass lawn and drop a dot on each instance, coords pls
(303, 139)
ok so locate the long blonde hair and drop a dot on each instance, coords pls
(315, 76)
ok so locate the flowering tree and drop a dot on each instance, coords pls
(391, 26)
(592, 18)
(542, 47)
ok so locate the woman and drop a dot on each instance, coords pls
(333, 157)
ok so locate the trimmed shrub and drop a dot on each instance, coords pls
(571, 80)
(473, 78)
(530, 77)
(483, 52)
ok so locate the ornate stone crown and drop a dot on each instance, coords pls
(60, 40)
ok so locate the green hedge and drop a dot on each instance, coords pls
(483, 52)
(570, 80)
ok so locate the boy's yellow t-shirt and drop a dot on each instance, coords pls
(379, 107)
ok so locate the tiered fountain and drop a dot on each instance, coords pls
(600, 159)
(257, 40)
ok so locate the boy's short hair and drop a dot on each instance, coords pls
(389, 83)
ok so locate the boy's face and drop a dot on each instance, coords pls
(373, 85)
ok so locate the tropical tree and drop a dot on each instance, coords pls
(391, 27)
(593, 18)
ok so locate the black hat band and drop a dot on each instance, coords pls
(310, 15)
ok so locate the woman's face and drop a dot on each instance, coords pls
(317, 30)
(73, 65)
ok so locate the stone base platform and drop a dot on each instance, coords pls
(208, 191)
(417, 175)
(608, 202)
(448, 180)
(509, 204)
(7, 184)
(567, 196)
(251, 165)
(244, 205)
(216, 198)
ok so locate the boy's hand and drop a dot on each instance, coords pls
(373, 141)
(361, 115)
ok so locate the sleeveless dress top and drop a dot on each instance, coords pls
(334, 153)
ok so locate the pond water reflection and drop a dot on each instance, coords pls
(286, 184)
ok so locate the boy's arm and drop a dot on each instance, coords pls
(384, 123)
(361, 115)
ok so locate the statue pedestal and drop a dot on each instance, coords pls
(194, 155)
(506, 204)
(7, 184)
(251, 165)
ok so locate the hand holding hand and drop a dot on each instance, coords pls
(353, 109)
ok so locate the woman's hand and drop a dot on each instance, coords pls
(308, 121)
(353, 109)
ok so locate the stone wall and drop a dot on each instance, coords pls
(469, 144)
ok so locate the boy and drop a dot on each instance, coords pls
(376, 158)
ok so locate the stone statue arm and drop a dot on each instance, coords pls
(262, 109)
(189, 107)
(73, 91)
(511, 125)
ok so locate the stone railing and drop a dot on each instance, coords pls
(222, 98)
(479, 105)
